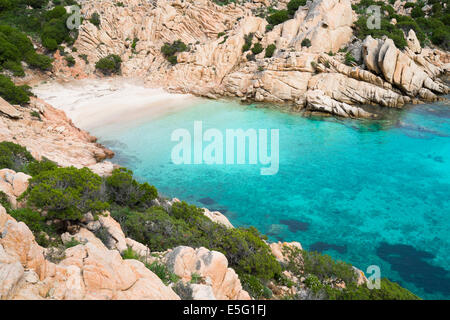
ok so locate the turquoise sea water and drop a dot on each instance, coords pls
(367, 192)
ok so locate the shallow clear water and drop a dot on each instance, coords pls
(367, 192)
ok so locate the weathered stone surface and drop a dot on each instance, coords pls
(88, 271)
(8, 110)
(216, 216)
(211, 265)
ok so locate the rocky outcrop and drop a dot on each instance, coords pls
(53, 135)
(8, 110)
(13, 184)
(278, 249)
(217, 217)
(87, 271)
(216, 66)
(212, 266)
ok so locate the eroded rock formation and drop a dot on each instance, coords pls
(216, 66)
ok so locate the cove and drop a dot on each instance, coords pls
(366, 192)
(355, 184)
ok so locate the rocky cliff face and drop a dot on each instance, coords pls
(302, 76)
(48, 132)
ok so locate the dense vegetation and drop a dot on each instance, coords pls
(323, 274)
(434, 28)
(12, 93)
(33, 18)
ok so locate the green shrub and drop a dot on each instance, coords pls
(12, 93)
(49, 43)
(36, 3)
(185, 224)
(4, 201)
(349, 60)
(324, 267)
(166, 276)
(5, 5)
(84, 57)
(14, 157)
(109, 65)
(306, 43)
(95, 19)
(170, 50)
(15, 67)
(67, 193)
(37, 225)
(388, 291)
(55, 13)
(130, 254)
(123, 190)
(417, 12)
(72, 243)
(257, 48)
(252, 285)
(35, 167)
(38, 61)
(220, 34)
(293, 6)
(173, 60)
(278, 17)
(16, 47)
(270, 50)
(70, 60)
(248, 38)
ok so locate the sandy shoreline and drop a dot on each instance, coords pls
(94, 104)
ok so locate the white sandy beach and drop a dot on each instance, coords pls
(93, 104)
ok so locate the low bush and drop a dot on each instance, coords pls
(278, 17)
(270, 50)
(67, 193)
(110, 64)
(257, 48)
(293, 5)
(123, 190)
(170, 50)
(185, 224)
(4, 201)
(306, 43)
(45, 235)
(95, 19)
(248, 38)
(349, 60)
(12, 93)
(14, 157)
(70, 60)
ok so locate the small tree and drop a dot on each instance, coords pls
(95, 19)
(270, 50)
(306, 43)
(257, 48)
(67, 193)
(110, 64)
